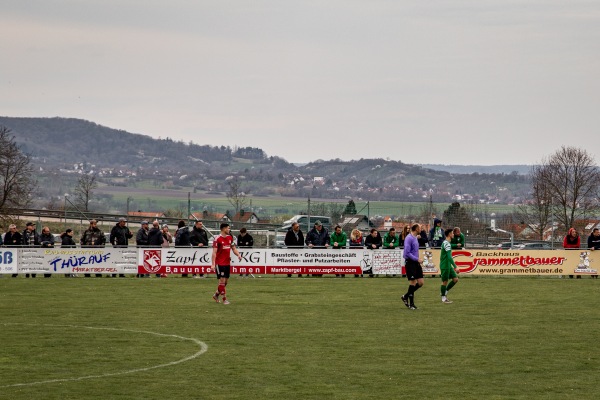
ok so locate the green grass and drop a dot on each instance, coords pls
(306, 338)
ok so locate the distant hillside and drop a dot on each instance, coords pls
(63, 148)
(481, 169)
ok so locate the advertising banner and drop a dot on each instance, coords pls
(8, 261)
(525, 262)
(78, 260)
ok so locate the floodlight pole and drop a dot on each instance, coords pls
(512, 236)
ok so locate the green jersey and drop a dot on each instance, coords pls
(446, 260)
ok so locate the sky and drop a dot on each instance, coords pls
(480, 82)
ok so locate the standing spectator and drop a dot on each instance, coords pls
(30, 238)
(318, 238)
(119, 237)
(198, 238)
(221, 260)
(120, 234)
(572, 241)
(167, 237)
(594, 242)
(182, 237)
(1, 240)
(414, 271)
(422, 239)
(338, 240)
(141, 238)
(436, 234)
(93, 237)
(67, 242)
(448, 268)
(46, 240)
(356, 242)
(155, 238)
(391, 240)
(244, 239)
(405, 233)
(458, 239)
(13, 238)
(373, 242)
(294, 238)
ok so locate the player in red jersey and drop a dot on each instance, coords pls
(221, 260)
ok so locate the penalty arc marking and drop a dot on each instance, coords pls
(202, 345)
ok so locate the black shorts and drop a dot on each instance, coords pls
(223, 271)
(413, 270)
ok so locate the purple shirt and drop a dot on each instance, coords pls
(411, 248)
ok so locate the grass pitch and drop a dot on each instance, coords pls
(299, 338)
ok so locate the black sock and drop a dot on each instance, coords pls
(416, 287)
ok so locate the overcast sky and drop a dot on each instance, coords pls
(452, 82)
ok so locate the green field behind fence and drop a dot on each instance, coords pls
(299, 338)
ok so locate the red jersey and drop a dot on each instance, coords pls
(223, 245)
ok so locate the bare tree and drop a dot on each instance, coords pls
(16, 174)
(572, 177)
(235, 195)
(536, 212)
(85, 185)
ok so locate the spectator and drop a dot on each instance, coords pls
(572, 241)
(182, 237)
(318, 238)
(93, 237)
(338, 240)
(594, 242)
(46, 240)
(373, 242)
(422, 239)
(198, 238)
(356, 242)
(167, 237)
(119, 237)
(155, 239)
(13, 238)
(294, 238)
(30, 238)
(436, 234)
(244, 240)
(458, 240)
(120, 234)
(141, 240)
(67, 242)
(391, 240)
(405, 233)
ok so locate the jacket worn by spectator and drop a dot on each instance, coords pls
(370, 241)
(182, 237)
(13, 239)
(141, 239)
(47, 240)
(67, 241)
(594, 242)
(155, 237)
(341, 240)
(293, 239)
(245, 241)
(30, 238)
(389, 240)
(120, 235)
(198, 236)
(316, 238)
(436, 234)
(93, 236)
(456, 240)
(422, 239)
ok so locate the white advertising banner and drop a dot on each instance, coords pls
(9, 261)
(106, 260)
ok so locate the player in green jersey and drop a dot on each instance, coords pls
(448, 267)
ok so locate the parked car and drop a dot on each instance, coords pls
(535, 246)
(507, 245)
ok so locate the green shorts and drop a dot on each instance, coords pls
(448, 274)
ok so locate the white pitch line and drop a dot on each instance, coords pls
(203, 349)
